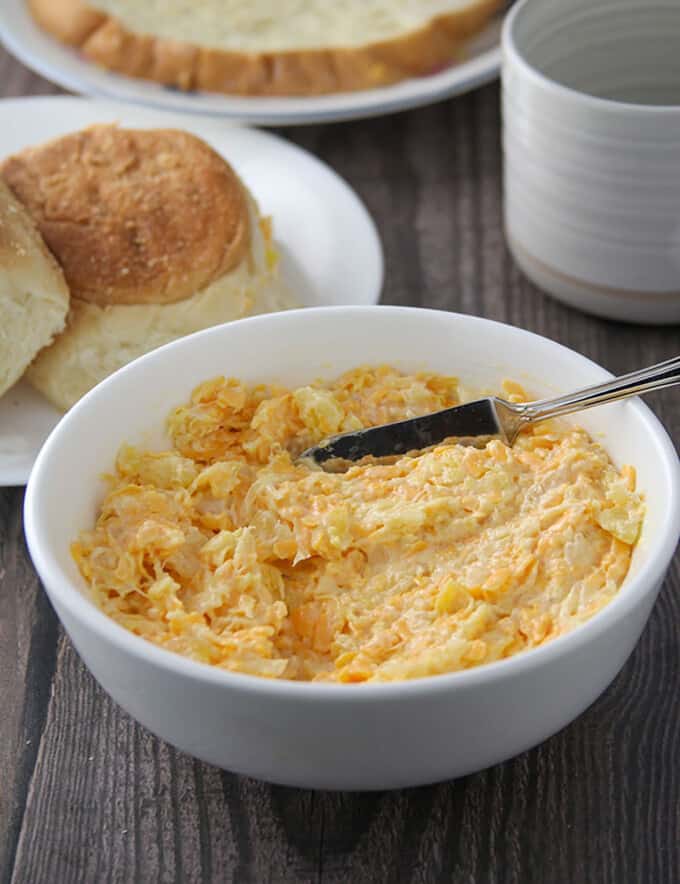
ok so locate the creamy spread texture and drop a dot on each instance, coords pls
(224, 550)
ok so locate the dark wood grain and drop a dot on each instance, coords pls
(88, 796)
(28, 631)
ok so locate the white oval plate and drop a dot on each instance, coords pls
(319, 222)
(66, 67)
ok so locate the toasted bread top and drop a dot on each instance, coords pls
(133, 216)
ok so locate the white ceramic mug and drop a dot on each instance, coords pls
(591, 139)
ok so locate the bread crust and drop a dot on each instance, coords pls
(300, 72)
(71, 21)
(133, 216)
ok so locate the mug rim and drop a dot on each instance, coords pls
(512, 52)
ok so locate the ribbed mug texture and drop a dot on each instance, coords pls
(591, 151)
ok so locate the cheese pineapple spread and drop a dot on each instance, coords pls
(226, 551)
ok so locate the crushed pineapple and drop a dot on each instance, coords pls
(225, 550)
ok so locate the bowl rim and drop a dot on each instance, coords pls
(61, 589)
(510, 51)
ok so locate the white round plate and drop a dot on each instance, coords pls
(64, 66)
(331, 253)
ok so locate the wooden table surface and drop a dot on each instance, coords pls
(86, 795)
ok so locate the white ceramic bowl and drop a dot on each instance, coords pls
(591, 137)
(333, 736)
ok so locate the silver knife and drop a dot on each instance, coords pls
(475, 423)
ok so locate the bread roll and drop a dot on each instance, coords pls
(34, 297)
(133, 216)
(269, 47)
(157, 237)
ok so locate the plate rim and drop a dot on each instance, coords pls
(207, 126)
(98, 83)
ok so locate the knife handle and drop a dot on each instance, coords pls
(656, 377)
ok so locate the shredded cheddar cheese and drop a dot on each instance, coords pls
(225, 550)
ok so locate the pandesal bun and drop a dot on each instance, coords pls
(133, 216)
(157, 237)
(98, 340)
